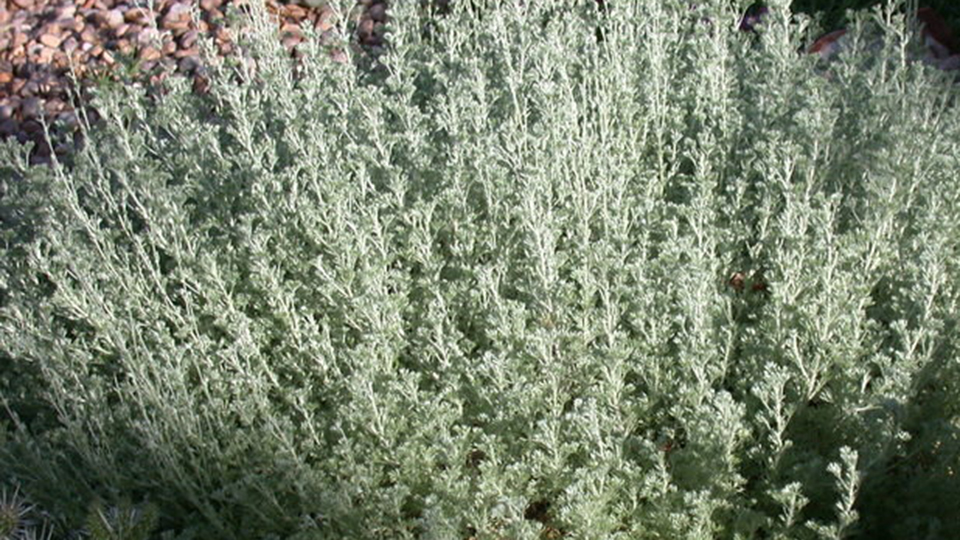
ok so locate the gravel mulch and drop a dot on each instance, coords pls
(43, 42)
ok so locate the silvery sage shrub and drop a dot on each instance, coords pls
(536, 271)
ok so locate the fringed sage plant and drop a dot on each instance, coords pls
(536, 270)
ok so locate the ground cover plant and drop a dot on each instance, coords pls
(538, 271)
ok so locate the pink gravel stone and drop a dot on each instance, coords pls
(113, 18)
(50, 40)
(138, 15)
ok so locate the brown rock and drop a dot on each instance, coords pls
(51, 28)
(33, 49)
(169, 48)
(177, 25)
(121, 30)
(168, 63)
(291, 29)
(160, 6)
(69, 119)
(113, 18)
(149, 54)
(146, 36)
(5, 77)
(49, 83)
(31, 108)
(50, 40)
(31, 127)
(19, 39)
(186, 53)
(222, 35)
(52, 107)
(209, 5)
(188, 64)
(328, 38)
(66, 11)
(92, 115)
(365, 31)
(138, 15)
(70, 25)
(378, 12)
(46, 55)
(178, 15)
(32, 88)
(70, 45)
(201, 84)
(63, 149)
(36, 160)
(290, 42)
(42, 151)
(215, 16)
(79, 65)
(14, 101)
(60, 60)
(25, 70)
(339, 56)
(125, 47)
(189, 39)
(89, 35)
(8, 128)
(178, 9)
(23, 4)
(326, 20)
(294, 11)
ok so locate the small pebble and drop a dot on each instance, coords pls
(8, 128)
(378, 12)
(113, 18)
(189, 39)
(138, 15)
(149, 54)
(31, 108)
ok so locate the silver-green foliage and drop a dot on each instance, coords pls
(481, 288)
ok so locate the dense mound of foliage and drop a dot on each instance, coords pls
(540, 271)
